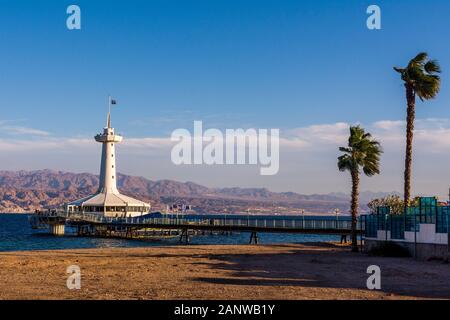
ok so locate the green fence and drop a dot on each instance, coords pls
(371, 222)
(397, 226)
(427, 210)
(442, 220)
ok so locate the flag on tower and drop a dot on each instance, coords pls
(113, 101)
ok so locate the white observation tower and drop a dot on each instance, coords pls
(107, 182)
(107, 200)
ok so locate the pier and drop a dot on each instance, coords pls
(185, 226)
(109, 213)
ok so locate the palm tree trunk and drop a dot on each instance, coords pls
(354, 208)
(410, 115)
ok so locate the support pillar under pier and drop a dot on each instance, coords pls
(184, 238)
(57, 229)
(253, 237)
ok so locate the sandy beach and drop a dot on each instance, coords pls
(294, 271)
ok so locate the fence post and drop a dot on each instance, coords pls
(361, 232)
(448, 231)
(386, 217)
(415, 234)
(436, 219)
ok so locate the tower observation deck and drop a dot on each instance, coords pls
(108, 201)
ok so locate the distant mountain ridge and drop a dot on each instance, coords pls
(25, 191)
(365, 196)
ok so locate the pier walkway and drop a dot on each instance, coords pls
(88, 223)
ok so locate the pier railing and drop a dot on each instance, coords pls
(231, 222)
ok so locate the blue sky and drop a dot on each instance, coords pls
(262, 64)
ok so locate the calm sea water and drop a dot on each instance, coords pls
(16, 235)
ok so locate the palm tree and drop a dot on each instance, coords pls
(421, 79)
(362, 152)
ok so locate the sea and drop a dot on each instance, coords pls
(16, 235)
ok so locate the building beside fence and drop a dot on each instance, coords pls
(424, 229)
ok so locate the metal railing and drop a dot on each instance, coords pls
(268, 223)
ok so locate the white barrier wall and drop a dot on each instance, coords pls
(426, 234)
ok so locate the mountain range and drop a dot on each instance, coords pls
(26, 191)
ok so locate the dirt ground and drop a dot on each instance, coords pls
(294, 271)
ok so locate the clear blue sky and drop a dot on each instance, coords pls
(269, 64)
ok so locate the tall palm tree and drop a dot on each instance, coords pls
(420, 78)
(362, 152)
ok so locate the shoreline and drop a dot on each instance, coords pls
(211, 272)
(11, 213)
(166, 245)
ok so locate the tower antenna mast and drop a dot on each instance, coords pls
(109, 112)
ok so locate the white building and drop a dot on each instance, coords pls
(108, 201)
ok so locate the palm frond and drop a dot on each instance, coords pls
(362, 152)
(432, 66)
(343, 149)
(421, 76)
(419, 59)
(345, 163)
